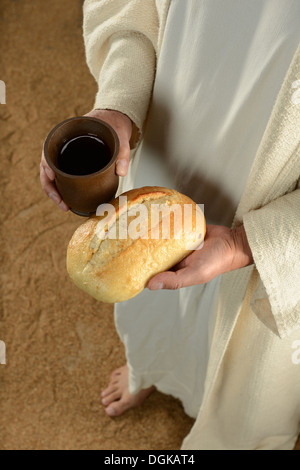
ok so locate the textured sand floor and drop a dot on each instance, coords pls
(61, 344)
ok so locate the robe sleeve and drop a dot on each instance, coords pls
(273, 233)
(121, 40)
(270, 211)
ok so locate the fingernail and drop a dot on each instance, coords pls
(110, 411)
(54, 198)
(122, 167)
(158, 286)
(63, 206)
(49, 173)
(104, 401)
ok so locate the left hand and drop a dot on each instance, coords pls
(224, 250)
(123, 127)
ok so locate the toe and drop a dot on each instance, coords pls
(116, 373)
(114, 396)
(110, 389)
(118, 407)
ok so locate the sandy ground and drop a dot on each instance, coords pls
(61, 344)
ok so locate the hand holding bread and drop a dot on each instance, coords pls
(113, 255)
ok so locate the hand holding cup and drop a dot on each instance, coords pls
(122, 126)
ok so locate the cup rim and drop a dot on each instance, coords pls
(89, 175)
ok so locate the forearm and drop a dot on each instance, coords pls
(126, 80)
(121, 42)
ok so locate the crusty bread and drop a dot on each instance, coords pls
(114, 270)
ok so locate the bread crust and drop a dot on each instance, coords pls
(114, 270)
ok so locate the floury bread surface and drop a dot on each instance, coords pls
(112, 256)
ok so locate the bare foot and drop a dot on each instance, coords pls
(116, 397)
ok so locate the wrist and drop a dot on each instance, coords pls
(115, 118)
(118, 115)
(242, 251)
(113, 111)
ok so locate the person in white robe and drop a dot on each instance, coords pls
(206, 94)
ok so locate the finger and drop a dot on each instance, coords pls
(47, 184)
(172, 280)
(123, 127)
(183, 263)
(63, 206)
(123, 160)
(49, 172)
(51, 191)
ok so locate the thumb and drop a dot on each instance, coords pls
(122, 124)
(123, 159)
(172, 280)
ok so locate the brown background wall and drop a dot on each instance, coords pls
(61, 344)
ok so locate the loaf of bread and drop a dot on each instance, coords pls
(144, 231)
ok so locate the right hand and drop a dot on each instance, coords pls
(123, 127)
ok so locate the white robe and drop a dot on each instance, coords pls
(252, 382)
(206, 121)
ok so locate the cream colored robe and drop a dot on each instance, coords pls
(123, 41)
